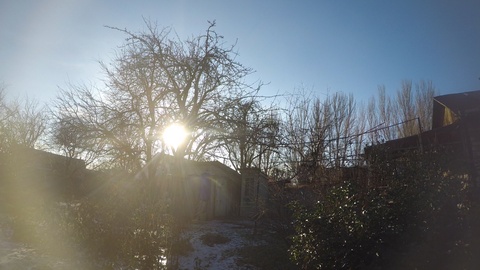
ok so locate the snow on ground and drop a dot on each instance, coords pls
(220, 255)
(14, 255)
(18, 256)
(220, 252)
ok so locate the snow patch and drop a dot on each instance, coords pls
(217, 256)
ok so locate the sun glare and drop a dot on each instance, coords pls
(174, 135)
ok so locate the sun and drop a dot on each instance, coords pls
(174, 135)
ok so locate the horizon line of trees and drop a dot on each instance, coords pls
(156, 78)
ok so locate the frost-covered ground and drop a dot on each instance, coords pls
(15, 255)
(215, 245)
(18, 256)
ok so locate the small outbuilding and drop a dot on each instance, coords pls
(254, 193)
(207, 189)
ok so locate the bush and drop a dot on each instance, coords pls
(410, 201)
(126, 228)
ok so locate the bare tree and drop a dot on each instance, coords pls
(424, 94)
(250, 135)
(66, 138)
(408, 113)
(415, 108)
(320, 134)
(359, 139)
(269, 154)
(343, 109)
(380, 116)
(304, 135)
(157, 79)
(21, 122)
(406, 109)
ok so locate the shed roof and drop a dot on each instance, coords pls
(461, 103)
(191, 167)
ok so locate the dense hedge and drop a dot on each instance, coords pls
(414, 213)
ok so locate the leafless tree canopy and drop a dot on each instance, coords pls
(320, 134)
(251, 135)
(332, 132)
(22, 123)
(154, 80)
(408, 113)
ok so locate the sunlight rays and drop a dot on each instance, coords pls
(174, 135)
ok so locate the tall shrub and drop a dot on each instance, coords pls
(410, 201)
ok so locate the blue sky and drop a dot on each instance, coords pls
(327, 46)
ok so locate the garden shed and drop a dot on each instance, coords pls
(207, 189)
